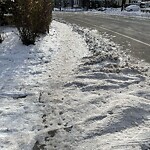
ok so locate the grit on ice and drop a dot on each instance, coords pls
(73, 90)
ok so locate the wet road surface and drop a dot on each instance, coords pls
(131, 33)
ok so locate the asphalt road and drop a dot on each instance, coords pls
(133, 34)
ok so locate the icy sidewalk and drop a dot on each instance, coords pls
(23, 72)
(24, 75)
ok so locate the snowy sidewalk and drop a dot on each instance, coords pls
(73, 90)
(25, 73)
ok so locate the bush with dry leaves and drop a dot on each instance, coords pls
(32, 17)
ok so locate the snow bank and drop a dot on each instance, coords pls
(110, 109)
(110, 11)
(114, 11)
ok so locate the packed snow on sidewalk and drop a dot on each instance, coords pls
(73, 90)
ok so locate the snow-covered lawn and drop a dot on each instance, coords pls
(23, 74)
(73, 90)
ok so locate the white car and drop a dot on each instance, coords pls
(101, 9)
(132, 8)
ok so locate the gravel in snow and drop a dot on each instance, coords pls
(73, 90)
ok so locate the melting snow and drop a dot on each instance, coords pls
(73, 89)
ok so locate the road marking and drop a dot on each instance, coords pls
(111, 31)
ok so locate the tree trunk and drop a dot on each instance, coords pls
(72, 3)
(87, 4)
(123, 4)
(60, 5)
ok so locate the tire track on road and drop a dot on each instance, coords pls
(104, 28)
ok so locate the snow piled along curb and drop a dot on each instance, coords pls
(72, 90)
(118, 12)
